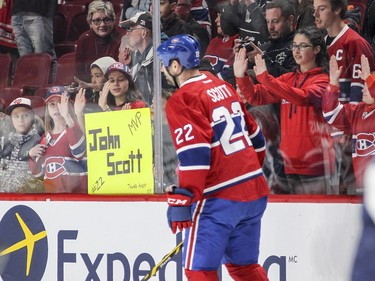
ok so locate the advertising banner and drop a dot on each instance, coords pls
(119, 152)
(122, 241)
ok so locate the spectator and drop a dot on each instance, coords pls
(276, 51)
(220, 49)
(219, 175)
(24, 129)
(86, 99)
(304, 13)
(253, 26)
(279, 60)
(140, 40)
(358, 119)
(124, 51)
(171, 24)
(98, 69)
(306, 145)
(32, 24)
(347, 45)
(103, 38)
(119, 92)
(133, 7)
(201, 14)
(59, 157)
(7, 41)
(183, 11)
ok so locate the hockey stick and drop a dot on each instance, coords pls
(163, 261)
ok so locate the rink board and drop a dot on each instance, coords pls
(120, 240)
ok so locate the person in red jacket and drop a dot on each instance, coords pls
(306, 145)
(358, 119)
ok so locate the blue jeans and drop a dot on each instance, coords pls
(34, 34)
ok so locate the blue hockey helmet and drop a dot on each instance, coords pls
(183, 47)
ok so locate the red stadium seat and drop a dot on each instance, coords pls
(64, 47)
(9, 94)
(32, 70)
(77, 26)
(65, 69)
(5, 70)
(60, 27)
(64, 16)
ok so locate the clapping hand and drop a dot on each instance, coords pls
(334, 71)
(240, 63)
(63, 105)
(365, 72)
(103, 96)
(260, 65)
(80, 102)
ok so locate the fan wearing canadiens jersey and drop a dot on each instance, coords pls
(347, 46)
(359, 119)
(59, 157)
(222, 193)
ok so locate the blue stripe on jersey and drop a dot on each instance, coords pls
(258, 140)
(79, 149)
(356, 92)
(331, 115)
(344, 95)
(194, 157)
(233, 181)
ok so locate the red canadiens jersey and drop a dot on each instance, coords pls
(218, 52)
(63, 167)
(219, 146)
(6, 31)
(360, 121)
(348, 47)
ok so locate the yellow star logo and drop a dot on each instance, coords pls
(28, 242)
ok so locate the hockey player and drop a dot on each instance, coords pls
(222, 192)
(358, 119)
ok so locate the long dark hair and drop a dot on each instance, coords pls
(132, 95)
(316, 38)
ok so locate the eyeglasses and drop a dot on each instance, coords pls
(105, 20)
(301, 47)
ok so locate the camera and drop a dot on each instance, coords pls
(245, 43)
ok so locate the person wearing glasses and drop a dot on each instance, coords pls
(140, 42)
(103, 38)
(279, 59)
(306, 145)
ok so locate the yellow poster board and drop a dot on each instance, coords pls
(119, 152)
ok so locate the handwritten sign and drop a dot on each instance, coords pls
(119, 152)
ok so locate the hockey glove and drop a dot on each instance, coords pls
(179, 210)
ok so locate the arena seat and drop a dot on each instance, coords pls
(65, 69)
(9, 94)
(5, 70)
(32, 70)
